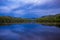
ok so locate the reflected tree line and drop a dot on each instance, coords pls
(49, 20)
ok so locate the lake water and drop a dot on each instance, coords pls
(29, 32)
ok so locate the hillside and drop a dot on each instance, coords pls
(49, 18)
(10, 20)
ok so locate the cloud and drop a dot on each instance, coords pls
(28, 2)
(5, 9)
(32, 7)
(45, 11)
(19, 13)
(41, 12)
(31, 1)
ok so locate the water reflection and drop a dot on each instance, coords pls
(55, 24)
(29, 32)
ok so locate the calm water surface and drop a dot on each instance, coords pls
(29, 32)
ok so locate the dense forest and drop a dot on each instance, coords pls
(10, 20)
(49, 18)
(44, 19)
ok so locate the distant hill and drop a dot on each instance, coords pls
(51, 15)
(10, 20)
(49, 18)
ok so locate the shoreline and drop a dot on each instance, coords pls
(32, 23)
(47, 24)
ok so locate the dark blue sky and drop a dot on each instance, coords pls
(29, 8)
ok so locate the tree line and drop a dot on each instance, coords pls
(49, 18)
(8, 19)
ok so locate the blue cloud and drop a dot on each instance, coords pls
(29, 8)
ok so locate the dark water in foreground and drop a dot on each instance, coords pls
(29, 32)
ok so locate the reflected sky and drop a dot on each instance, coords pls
(29, 32)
